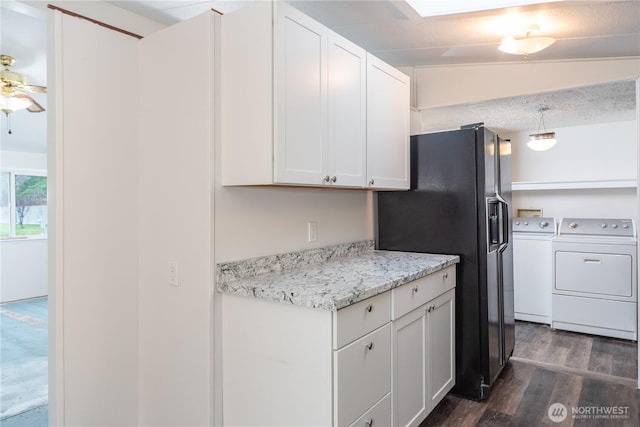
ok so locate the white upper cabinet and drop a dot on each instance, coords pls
(387, 126)
(300, 85)
(294, 104)
(347, 139)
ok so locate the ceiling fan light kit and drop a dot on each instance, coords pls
(13, 96)
(9, 104)
(526, 45)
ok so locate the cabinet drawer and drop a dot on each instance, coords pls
(413, 294)
(358, 319)
(362, 375)
(379, 415)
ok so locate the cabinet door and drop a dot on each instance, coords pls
(346, 81)
(387, 126)
(441, 346)
(410, 393)
(300, 60)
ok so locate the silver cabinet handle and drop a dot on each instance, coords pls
(369, 422)
(415, 289)
(431, 308)
(371, 181)
(326, 179)
(369, 346)
(334, 179)
(369, 308)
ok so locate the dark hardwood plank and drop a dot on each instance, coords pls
(549, 366)
(493, 419)
(509, 388)
(535, 402)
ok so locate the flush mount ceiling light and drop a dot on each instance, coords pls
(542, 141)
(526, 45)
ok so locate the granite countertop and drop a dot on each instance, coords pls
(328, 278)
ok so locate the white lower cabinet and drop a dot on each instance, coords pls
(384, 361)
(410, 368)
(423, 347)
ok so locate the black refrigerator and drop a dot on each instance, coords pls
(459, 203)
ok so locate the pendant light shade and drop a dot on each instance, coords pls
(542, 141)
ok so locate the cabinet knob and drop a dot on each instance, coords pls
(446, 275)
(369, 308)
(369, 422)
(415, 289)
(326, 178)
(371, 181)
(334, 179)
(369, 346)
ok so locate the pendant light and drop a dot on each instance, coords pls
(542, 141)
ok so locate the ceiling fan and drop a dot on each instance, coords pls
(14, 90)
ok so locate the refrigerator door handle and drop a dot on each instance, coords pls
(504, 222)
(494, 229)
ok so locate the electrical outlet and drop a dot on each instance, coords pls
(173, 274)
(312, 231)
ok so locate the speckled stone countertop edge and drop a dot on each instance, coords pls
(332, 283)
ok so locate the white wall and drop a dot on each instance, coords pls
(176, 224)
(598, 152)
(23, 160)
(601, 151)
(459, 84)
(23, 262)
(93, 310)
(23, 269)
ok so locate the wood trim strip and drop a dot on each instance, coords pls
(581, 372)
(102, 24)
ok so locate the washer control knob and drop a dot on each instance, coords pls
(543, 224)
(517, 222)
(614, 225)
(526, 223)
(572, 225)
(603, 225)
(625, 225)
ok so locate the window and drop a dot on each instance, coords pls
(23, 204)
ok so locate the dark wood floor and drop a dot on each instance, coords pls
(595, 376)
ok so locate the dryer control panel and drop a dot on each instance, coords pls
(597, 227)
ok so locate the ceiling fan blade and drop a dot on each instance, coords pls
(35, 89)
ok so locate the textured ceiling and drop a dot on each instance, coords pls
(574, 107)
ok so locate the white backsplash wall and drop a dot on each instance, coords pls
(598, 152)
(257, 221)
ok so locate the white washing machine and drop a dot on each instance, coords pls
(532, 268)
(595, 287)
